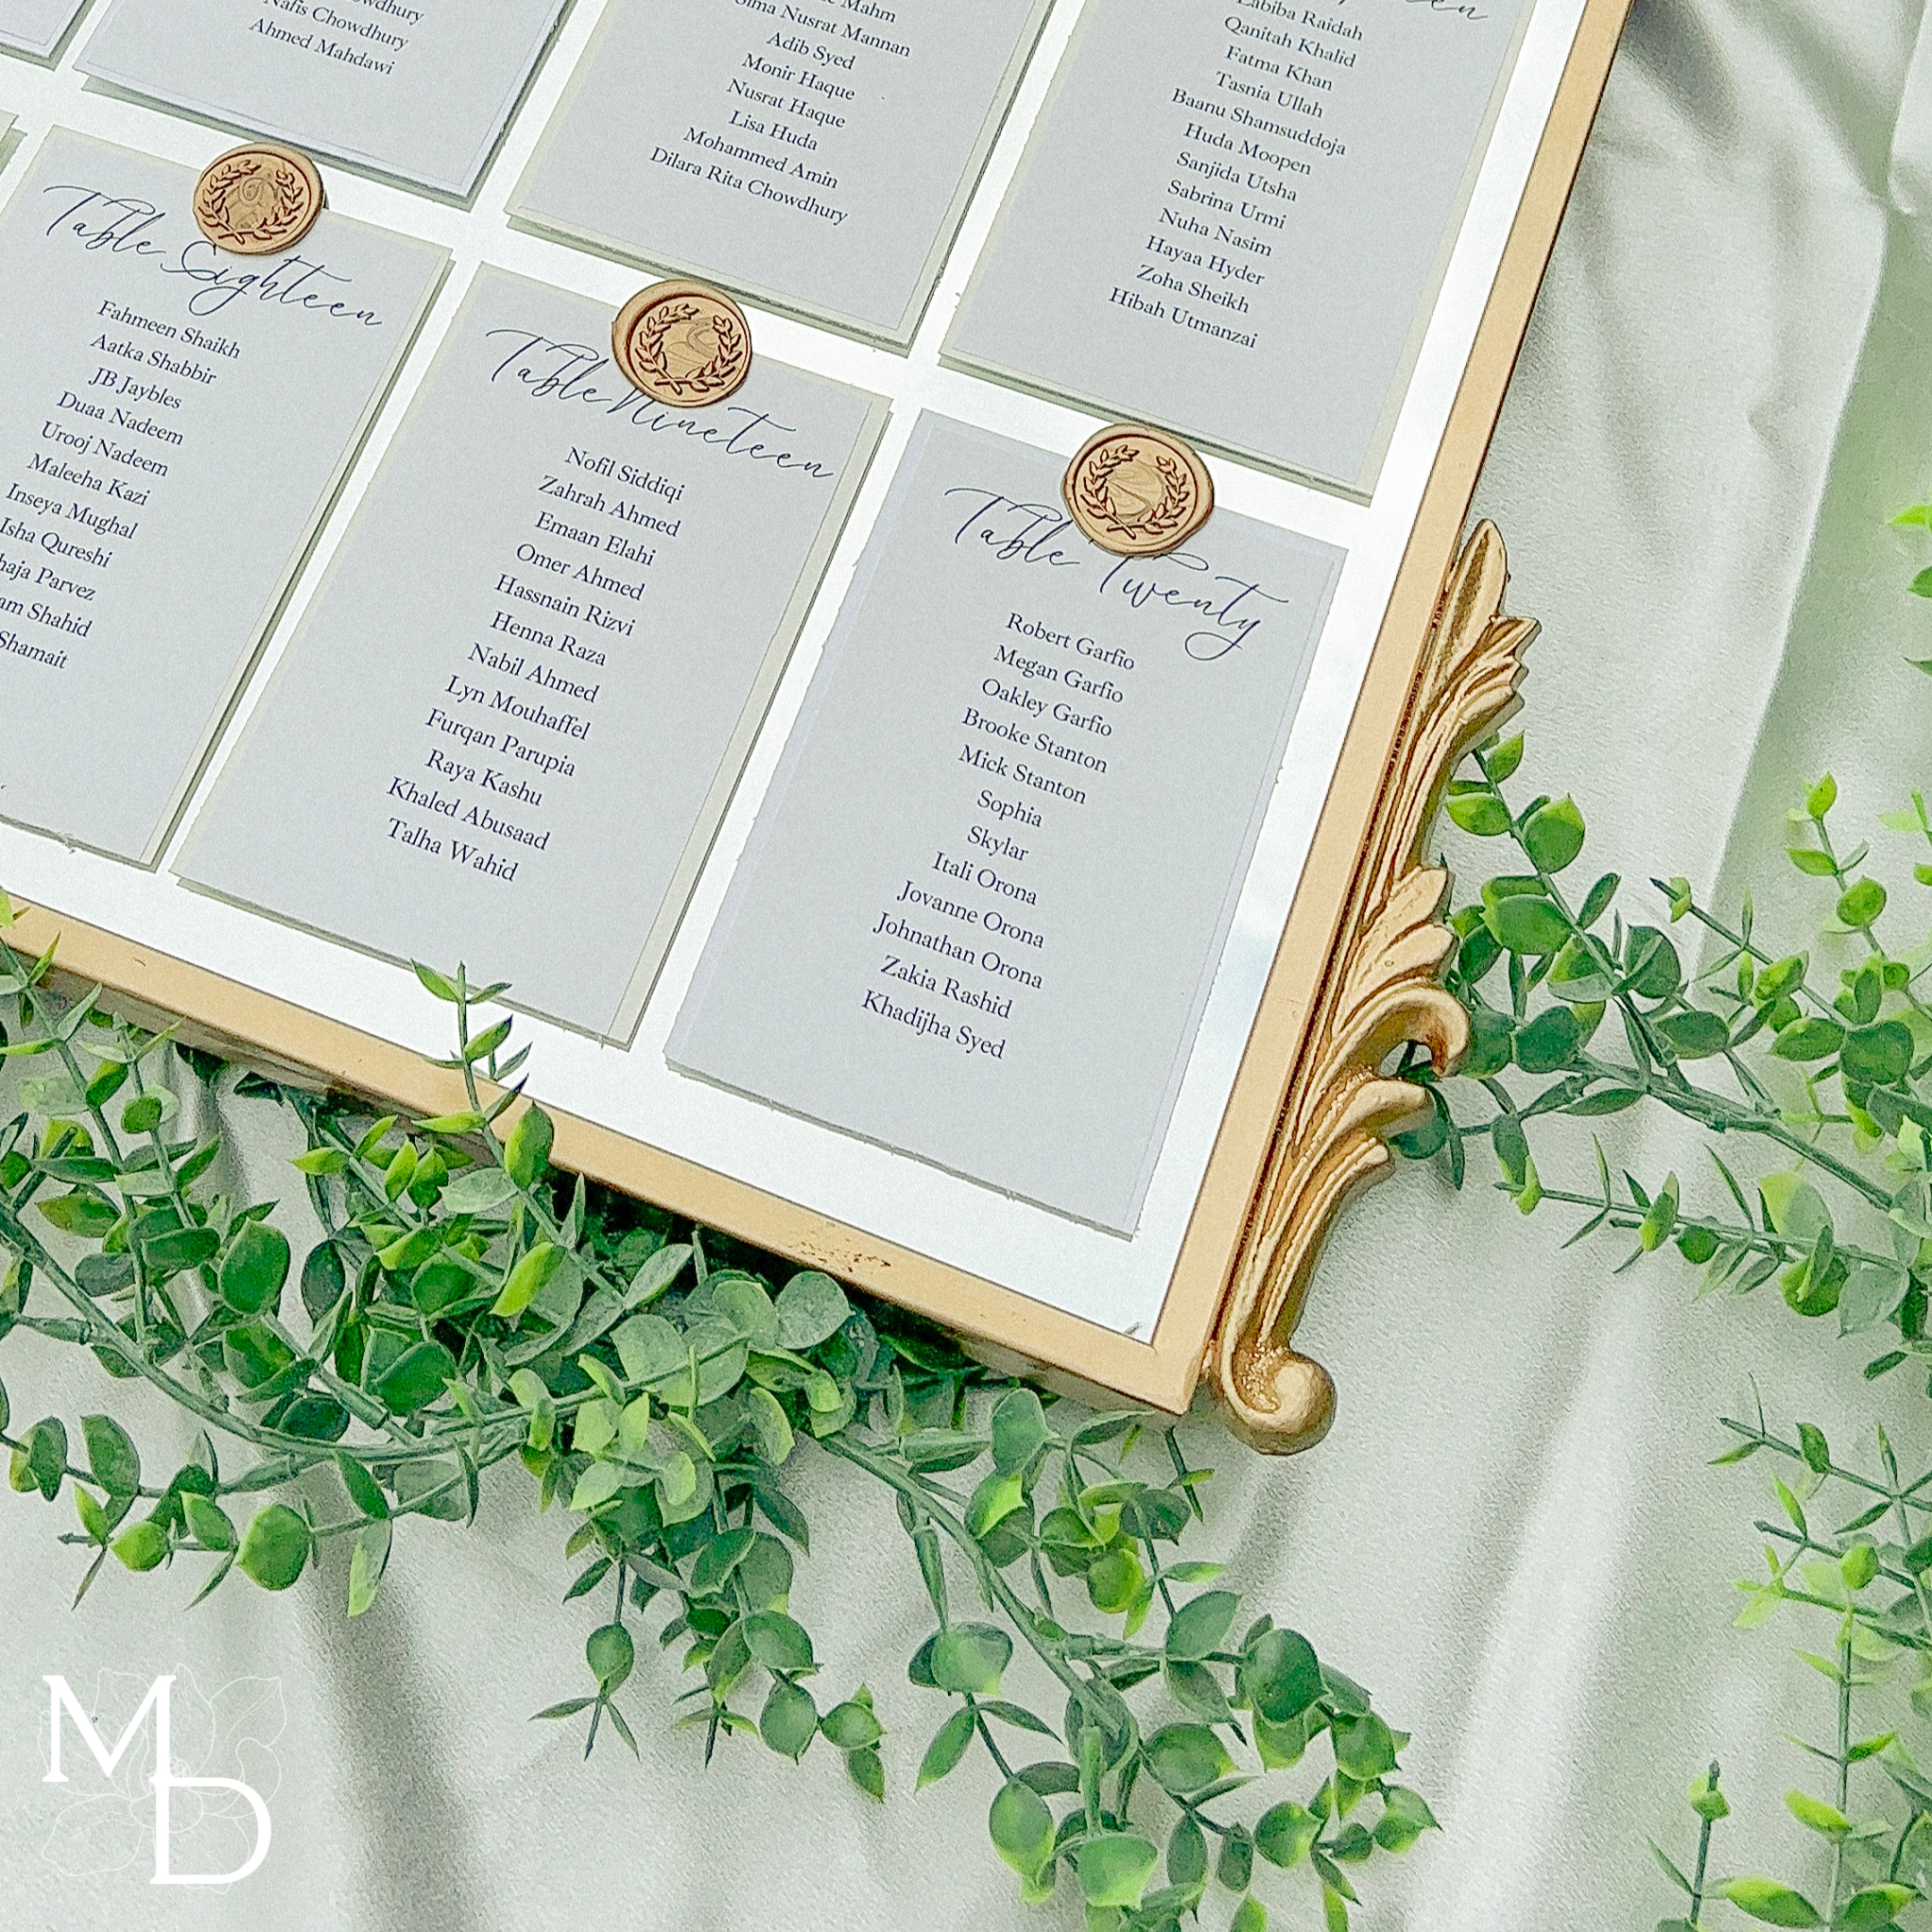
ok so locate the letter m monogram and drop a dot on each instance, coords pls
(165, 1783)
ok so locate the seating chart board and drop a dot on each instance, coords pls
(916, 704)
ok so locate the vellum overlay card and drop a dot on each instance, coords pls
(1233, 217)
(817, 155)
(985, 899)
(507, 729)
(36, 26)
(173, 424)
(422, 90)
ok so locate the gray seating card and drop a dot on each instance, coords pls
(506, 731)
(174, 425)
(1233, 217)
(982, 907)
(817, 157)
(36, 26)
(422, 90)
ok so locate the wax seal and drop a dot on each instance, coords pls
(683, 343)
(258, 199)
(1139, 492)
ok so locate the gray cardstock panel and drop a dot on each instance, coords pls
(1127, 172)
(101, 748)
(661, 73)
(434, 117)
(1134, 891)
(301, 823)
(36, 26)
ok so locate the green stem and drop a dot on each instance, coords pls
(1733, 1234)
(1714, 1111)
(416, 1506)
(1845, 1761)
(104, 1334)
(1900, 1499)
(1709, 1825)
(1809, 1547)
(990, 1580)
(985, 1730)
(1202, 1819)
(1765, 1440)
(1756, 955)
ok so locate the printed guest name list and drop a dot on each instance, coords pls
(1251, 263)
(420, 89)
(817, 153)
(507, 725)
(172, 426)
(986, 894)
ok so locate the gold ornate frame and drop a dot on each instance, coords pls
(1354, 976)
(1380, 990)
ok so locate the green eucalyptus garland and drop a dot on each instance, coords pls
(1816, 1082)
(469, 1308)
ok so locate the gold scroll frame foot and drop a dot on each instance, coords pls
(1381, 991)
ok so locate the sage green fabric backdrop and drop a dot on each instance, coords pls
(1511, 1535)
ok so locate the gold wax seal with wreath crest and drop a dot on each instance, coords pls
(683, 344)
(258, 199)
(1139, 492)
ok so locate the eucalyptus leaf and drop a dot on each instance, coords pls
(527, 1155)
(651, 1349)
(1186, 1852)
(1280, 1675)
(255, 1269)
(1187, 1758)
(1285, 1834)
(111, 1454)
(1774, 1904)
(275, 1547)
(811, 1308)
(480, 1190)
(1554, 836)
(368, 1560)
(1524, 924)
(789, 1721)
(1114, 1869)
(972, 1658)
(525, 1281)
(1019, 1430)
(771, 1427)
(1020, 1827)
(1198, 1628)
(658, 1273)
(778, 1641)
(209, 1522)
(419, 1378)
(142, 1546)
(742, 1301)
